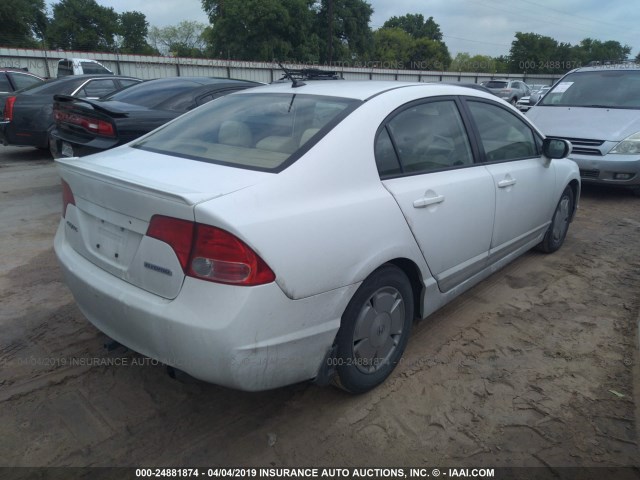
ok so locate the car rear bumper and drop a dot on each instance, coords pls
(79, 149)
(249, 338)
(621, 170)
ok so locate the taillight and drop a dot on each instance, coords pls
(67, 197)
(210, 253)
(91, 125)
(176, 232)
(8, 108)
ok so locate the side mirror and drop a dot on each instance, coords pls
(556, 148)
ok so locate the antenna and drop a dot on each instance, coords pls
(294, 83)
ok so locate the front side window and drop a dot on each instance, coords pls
(502, 135)
(427, 137)
(256, 131)
(605, 88)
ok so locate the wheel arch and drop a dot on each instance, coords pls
(412, 272)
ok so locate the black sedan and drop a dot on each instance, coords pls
(27, 118)
(86, 126)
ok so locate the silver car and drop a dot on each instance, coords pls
(598, 110)
(509, 90)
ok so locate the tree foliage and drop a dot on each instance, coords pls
(416, 26)
(23, 21)
(133, 30)
(535, 53)
(464, 62)
(185, 39)
(83, 25)
(352, 36)
(261, 29)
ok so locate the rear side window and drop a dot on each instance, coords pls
(256, 131)
(153, 94)
(4, 83)
(97, 88)
(22, 80)
(427, 137)
(90, 68)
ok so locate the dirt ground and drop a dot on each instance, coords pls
(533, 367)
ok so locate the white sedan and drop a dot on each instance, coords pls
(289, 233)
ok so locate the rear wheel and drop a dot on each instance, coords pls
(513, 101)
(554, 238)
(375, 330)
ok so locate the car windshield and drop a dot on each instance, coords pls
(496, 84)
(151, 94)
(256, 131)
(604, 88)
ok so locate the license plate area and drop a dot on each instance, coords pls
(112, 243)
(66, 149)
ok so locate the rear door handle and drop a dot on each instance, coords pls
(426, 201)
(506, 183)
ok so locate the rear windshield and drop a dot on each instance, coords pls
(151, 94)
(604, 88)
(496, 84)
(256, 131)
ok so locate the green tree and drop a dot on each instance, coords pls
(464, 62)
(83, 25)
(590, 50)
(262, 29)
(428, 54)
(183, 40)
(352, 36)
(533, 53)
(392, 48)
(134, 28)
(23, 21)
(416, 26)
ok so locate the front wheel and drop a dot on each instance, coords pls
(554, 238)
(374, 331)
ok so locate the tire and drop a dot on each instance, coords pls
(374, 331)
(554, 238)
(514, 101)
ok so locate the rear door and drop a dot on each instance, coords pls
(427, 163)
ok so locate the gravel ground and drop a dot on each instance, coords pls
(534, 367)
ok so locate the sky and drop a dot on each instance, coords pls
(485, 27)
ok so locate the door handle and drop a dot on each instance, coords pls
(506, 183)
(426, 201)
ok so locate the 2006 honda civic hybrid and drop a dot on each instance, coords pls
(295, 231)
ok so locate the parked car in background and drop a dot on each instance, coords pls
(294, 231)
(81, 66)
(525, 103)
(509, 90)
(598, 109)
(536, 96)
(27, 117)
(12, 79)
(87, 126)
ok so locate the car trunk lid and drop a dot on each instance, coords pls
(115, 196)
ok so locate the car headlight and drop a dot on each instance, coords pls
(628, 146)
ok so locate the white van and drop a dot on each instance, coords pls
(80, 66)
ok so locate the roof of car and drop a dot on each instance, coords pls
(362, 89)
(609, 66)
(202, 80)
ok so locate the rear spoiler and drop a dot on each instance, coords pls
(99, 106)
